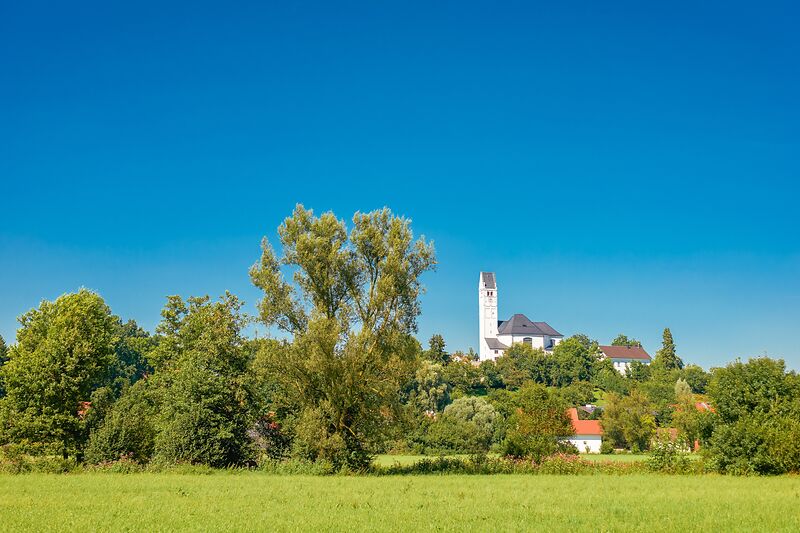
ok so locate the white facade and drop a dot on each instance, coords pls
(487, 315)
(622, 356)
(496, 335)
(587, 443)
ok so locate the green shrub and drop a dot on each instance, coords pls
(128, 431)
(468, 425)
(668, 457)
(606, 447)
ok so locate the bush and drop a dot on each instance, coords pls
(606, 447)
(14, 460)
(468, 425)
(668, 457)
(128, 430)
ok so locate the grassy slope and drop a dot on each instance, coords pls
(253, 501)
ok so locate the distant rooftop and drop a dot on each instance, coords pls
(625, 352)
(519, 324)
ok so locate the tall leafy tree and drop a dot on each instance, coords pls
(537, 425)
(65, 351)
(628, 420)
(572, 361)
(666, 357)
(201, 371)
(350, 310)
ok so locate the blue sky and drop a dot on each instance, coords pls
(621, 167)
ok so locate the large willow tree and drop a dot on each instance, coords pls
(349, 303)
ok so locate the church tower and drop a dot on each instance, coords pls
(487, 312)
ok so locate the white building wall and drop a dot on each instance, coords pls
(487, 318)
(582, 442)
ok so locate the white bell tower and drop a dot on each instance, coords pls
(487, 312)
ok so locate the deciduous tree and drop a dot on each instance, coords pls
(350, 309)
(65, 351)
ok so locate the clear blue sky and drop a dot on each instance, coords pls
(622, 167)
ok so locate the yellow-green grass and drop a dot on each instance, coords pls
(260, 502)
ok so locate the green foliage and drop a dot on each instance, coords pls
(537, 426)
(436, 351)
(666, 358)
(466, 379)
(606, 447)
(696, 377)
(577, 393)
(668, 457)
(682, 388)
(623, 340)
(741, 389)
(3, 359)
(572, 361)
(350, 313)
(693, 425)
(608, 379)
(429, 391)
(758, 409)
(660, 391)
(128, 431)
(468, 425)
(65, 351)
(628, 421)
(638, 371)
(204, 396)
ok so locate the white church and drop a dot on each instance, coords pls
(497, 335)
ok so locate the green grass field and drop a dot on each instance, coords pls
(257, 501)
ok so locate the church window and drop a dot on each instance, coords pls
(528, 341)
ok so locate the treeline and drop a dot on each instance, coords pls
(345, 377)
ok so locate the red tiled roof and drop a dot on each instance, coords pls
(703, 406)
(625, 352)
(584, 427)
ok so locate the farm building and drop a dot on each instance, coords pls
(623, 356)
(588, 433)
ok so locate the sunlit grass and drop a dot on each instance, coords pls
(256, 501)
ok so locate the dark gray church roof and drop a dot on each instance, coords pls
(495, 344)
(488, 280)
(519, 324)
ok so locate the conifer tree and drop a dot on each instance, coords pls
(666, 358)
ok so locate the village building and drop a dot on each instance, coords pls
(622, 356)
(588, 435)
(496, 336)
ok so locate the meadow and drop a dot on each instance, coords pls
(249, 501)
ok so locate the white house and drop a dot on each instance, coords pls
(497, 335)
(588, 435)
(623, 356)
